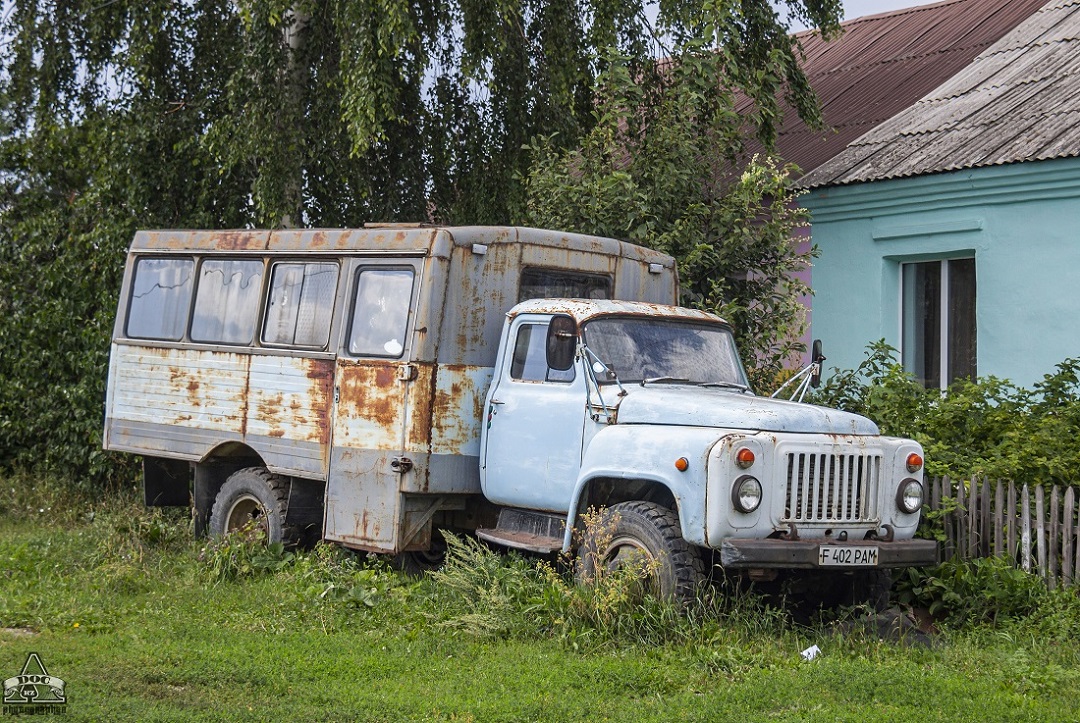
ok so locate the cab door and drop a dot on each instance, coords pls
(534, 424)
(371, 392)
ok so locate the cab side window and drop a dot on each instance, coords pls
(380, 312)
(529, 362)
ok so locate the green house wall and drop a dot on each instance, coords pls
(1021, 223)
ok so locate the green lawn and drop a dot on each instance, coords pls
(122, 608)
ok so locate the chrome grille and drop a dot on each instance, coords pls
(830, 488)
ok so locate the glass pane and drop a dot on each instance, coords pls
(227, 301)
(551, 284)
(160, 298)
(637, 349)
(381, 312)
(962, 336)
(530, 357)
(301, 304)
(922, 321)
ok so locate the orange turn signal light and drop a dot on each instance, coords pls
(914, 462)
(744, 458)
(682, 464)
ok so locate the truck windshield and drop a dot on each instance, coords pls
(651, 349)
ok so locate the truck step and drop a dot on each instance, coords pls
(526, 530)
(521, 540)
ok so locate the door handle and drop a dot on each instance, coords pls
(497, 401)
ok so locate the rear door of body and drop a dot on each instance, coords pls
(371, 385)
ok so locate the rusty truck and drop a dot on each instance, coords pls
(375, 386)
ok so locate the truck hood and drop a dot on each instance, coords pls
(704, 407)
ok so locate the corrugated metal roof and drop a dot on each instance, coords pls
(884, 63)
(1017, 101)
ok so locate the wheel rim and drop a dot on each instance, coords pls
(247, 513)
(630, 553)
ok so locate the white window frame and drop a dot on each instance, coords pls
(943, 306)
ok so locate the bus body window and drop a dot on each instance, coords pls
(380, 312)
(300, 304)
(537, 283)
(227, 301)
(160, 298)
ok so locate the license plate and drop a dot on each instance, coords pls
(848, 555)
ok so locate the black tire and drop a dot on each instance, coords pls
(861, 588)
(254, 495)
(419, 562)
(871, 588)
(651, 534)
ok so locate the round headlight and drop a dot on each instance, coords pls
(909, 497)
(746, 494)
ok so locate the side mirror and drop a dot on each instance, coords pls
(816, 357)
(561, 343)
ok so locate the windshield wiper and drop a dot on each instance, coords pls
(664, 379)
(726, 385)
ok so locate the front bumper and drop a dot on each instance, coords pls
(803, 554)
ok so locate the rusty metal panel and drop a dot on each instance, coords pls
(370, 411)
(181, 387)
(289, 402)
(167, 240)
(363, 491)
(635, 281)
(363, 500)
(183, 403)
(482, 288)
(458, 408)
(582, 309)
(556, 257)
(381, 240)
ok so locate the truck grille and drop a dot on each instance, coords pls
(832, 487)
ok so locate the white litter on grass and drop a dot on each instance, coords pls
(810, 653)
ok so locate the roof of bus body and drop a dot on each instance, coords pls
(584, 309)
(388, 238)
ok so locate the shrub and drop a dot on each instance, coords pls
(987, 427)
(967, 593)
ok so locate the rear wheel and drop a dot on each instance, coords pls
(254, 499)
(418, 562)
(647, 536)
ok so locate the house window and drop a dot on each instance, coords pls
(939, 339)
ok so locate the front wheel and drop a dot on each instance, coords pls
(253, 498)
(871, 588)
(648, 536)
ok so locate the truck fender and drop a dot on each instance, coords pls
(648, 454)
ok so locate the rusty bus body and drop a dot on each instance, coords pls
(241, 349)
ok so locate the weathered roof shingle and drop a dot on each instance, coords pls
(1017, 101)
(884, 63)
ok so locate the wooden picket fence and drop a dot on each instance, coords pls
(1034, 527)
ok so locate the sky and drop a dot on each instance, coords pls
(858, 8)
